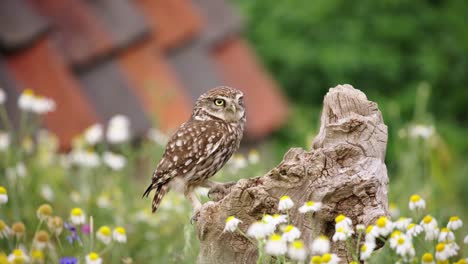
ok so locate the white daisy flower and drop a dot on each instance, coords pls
(342, 234)
(118, 130)
(416, 202)
(77, 216)
(454, 223)
(405, 247)
(253, 156)
(93, 258)
(330, 259)
(47, 193)
(290, 233)
(297, 251)
(93, 134)
(285, 203)
(3, 195)
(88, 159)
(5, 231)
(366, 250)
(465, 240)
(231, 224)
(157, 136)
(104, 234)
(44, 212)
(429, 225)
(42, 105)
(2, 96)
(413, 230)
(310, 206)
(237, 162)
(402, 223)
(115, 161)
(277, 219)
(371, 233)
(4, 141)
(21, 170)
(394, 238)
(120, 235)
(320, 245)
(18, 256)
(421, 131)
(383, 226)
(26, 100)
(394, 210)
(427, 258)
(443, 252)
(343, 221)
(276, 245)
(360, 228)
(103, 201)
(446, 235)
(41, 239)
(260, 229)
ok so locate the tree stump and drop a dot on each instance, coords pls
(344, 169)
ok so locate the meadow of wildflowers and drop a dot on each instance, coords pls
(84, 206)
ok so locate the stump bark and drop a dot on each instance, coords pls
(344, 169)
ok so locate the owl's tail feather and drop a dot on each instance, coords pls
(160, 192)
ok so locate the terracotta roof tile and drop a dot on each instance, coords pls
(196, 69)
(108, 90)
(123, 21)
(41, 69)
(222, 21)
(19, 24)
(264, 102)
(156, 85)
(78, 33)
(173, 22)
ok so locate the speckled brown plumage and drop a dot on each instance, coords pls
(202, 145)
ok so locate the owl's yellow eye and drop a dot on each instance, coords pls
(219, 102)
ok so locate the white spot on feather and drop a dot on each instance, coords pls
(175, 158)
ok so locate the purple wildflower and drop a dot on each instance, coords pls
(86, 229)
(73, 236)
(68, 260)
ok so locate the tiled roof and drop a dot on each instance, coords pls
(147, 59)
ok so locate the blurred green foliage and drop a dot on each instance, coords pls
(385, 48)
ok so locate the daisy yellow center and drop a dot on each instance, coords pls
(288, 228)
(363, 248)
(275, 237)
(93, 256)
(105, 230)
(445, 229)
(340, 230)
(283, 198)
(427, 257)
(427, 219)
(396, 233)
(369, 229)
(323, 237)
(2, 225)
(120, 230)
(454, 219)
(415, 198)
(326, 258)
(316, 260)
(340, 218)
(229, 219)
(42, 236)
(310, 203)
(440, 247)
(77, 212)
(45, 210)
(381, 222)
(393, 206)
(410, 226)
(276, 215)
(37, 255)
(401, 241)
(28, 92)
(18, 253)
(3, 190)
(298, 244)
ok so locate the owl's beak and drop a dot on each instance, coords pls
(233, 108)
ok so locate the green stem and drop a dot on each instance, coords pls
(58, 242)
(260, 252)
(4, 118)
(244, 235)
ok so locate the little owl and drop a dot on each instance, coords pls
(201, 146)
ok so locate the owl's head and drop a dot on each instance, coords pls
(223, 103)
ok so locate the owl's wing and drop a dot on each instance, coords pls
(191, 144)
